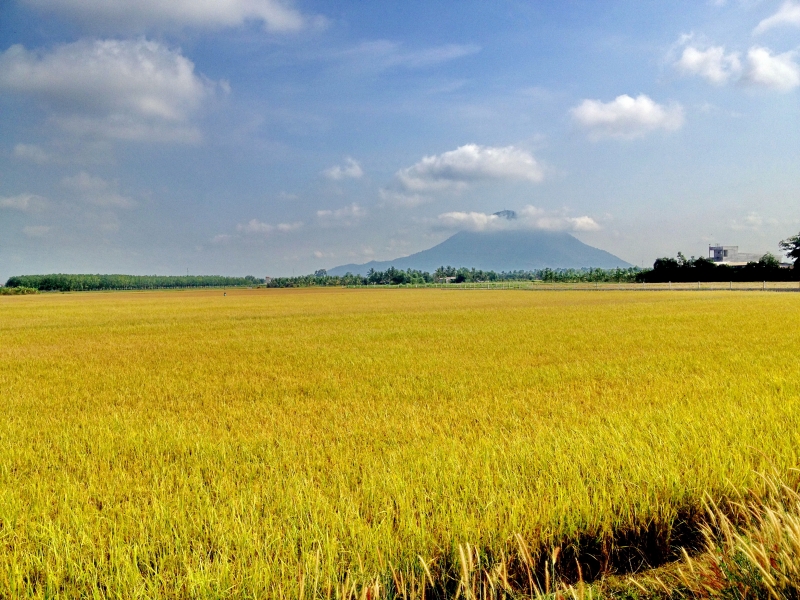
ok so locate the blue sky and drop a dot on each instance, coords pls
(270, 138)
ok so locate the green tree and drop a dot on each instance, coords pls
(791, 246)
(769, 261)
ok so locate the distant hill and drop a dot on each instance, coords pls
(499, 251)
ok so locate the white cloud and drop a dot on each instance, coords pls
(133, 15)
(346, 215)
(529, 218)
(32, 153)
(401, 199)
(763, 68)
(124, 89)
(24, 202)
(788, 14)
(254, 226)
(713, 64)
(753, 222)
(626, 117)
(584, 223)
(775, 71)
(36, 231)
(434, 56)
(97, 191)
(472, 221)
(380, 55)
(350, 170)
(64, 150)
(467, 164)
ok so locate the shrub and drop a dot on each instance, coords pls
(17, 291)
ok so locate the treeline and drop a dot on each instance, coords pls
(701, 269)
(78, 283)
(16, 291)
(392, 276)
(680, 269)
(464, 275)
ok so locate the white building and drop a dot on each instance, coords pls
(730, 255)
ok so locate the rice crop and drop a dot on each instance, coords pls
(346, 443)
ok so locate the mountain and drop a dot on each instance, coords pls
(514, 250)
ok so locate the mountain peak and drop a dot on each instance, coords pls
(509, 250)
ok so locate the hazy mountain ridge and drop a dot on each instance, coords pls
(499, 251)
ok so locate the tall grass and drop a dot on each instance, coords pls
(751, 550)
(340, 443)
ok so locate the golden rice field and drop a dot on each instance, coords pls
(337, 443)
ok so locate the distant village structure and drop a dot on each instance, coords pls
(730, 255)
